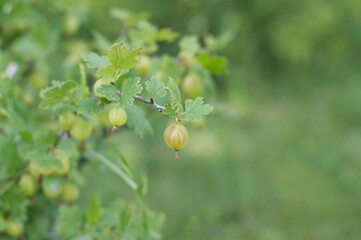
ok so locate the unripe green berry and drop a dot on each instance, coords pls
(52, 186)
(28, 184)
(176, 137)
(67, 121)
(117, 116)
(82, 129)
(14, 229)
(70, 192)
(97, 84)
(192, 84)
(143, 66)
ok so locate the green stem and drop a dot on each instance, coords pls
(115, 169)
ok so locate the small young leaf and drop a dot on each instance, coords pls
(125, 217)
(194, 109)
(89, 106)
(137, 120)
(94, 211)
(155, 87)
(83, 89)
(174, 91)
(56, 94)
(131, 87)
(143, 186)
(120, 62)
(173, 110)
(93, 60)
(109, 91)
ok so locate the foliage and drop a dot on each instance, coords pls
(42, 77)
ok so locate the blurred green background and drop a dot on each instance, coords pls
(285, 162)
(280, 158)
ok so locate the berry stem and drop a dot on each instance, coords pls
(114, 128)
(176, 155)
(151, 101)
(68, 134)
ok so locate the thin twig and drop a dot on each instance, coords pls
(150, 101)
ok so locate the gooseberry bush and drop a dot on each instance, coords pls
(51, 128)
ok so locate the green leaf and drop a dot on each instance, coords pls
(189, 228)
(70, 221)
(214, 64)
(83, 89)
(166, 34)
(131, 87)
(194, 109)
(49, 162)
(125, 217)
(109, 91)
(56, 94)
(155, 87)
(190, 44)
(174, 91)
(136, 120)
(93, 60)
(94, 211)
(120, 62)
(143, 186)
(173, 111)
(2, 223)
(89, 106)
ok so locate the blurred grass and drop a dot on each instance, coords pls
(288, 167)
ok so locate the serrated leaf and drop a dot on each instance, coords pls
(190, 44)
(120, 62)
(93, 60)
(89, 106)
(136, 120)
(94, 210)
(131, 87)
(56, 94)
(194, 109)
(46, 161)
(170, 110)
(109, 91)
(70, 221)
(174, 91)
(155, 87)
(214, 64)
